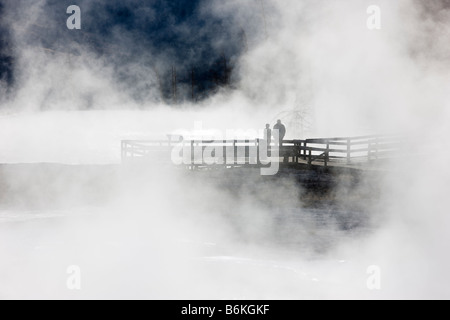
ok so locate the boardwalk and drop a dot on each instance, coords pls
(196, 154)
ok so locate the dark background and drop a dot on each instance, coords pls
(189, 52)
(177, 40)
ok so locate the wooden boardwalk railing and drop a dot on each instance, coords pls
(340, 151)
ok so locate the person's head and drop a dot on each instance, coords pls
(278, 121)
(267, 125)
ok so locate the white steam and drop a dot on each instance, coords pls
(151, 232)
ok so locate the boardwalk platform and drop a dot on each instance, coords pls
(350, 152)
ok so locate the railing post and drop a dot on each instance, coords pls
(349, 150)
(122, 150)
(224, 155)
(376, 148)
(327, 153)
(310, 157)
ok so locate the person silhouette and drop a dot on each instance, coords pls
(281, 132)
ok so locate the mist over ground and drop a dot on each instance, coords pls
(69, 96)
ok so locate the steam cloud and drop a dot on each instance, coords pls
(147, 232)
